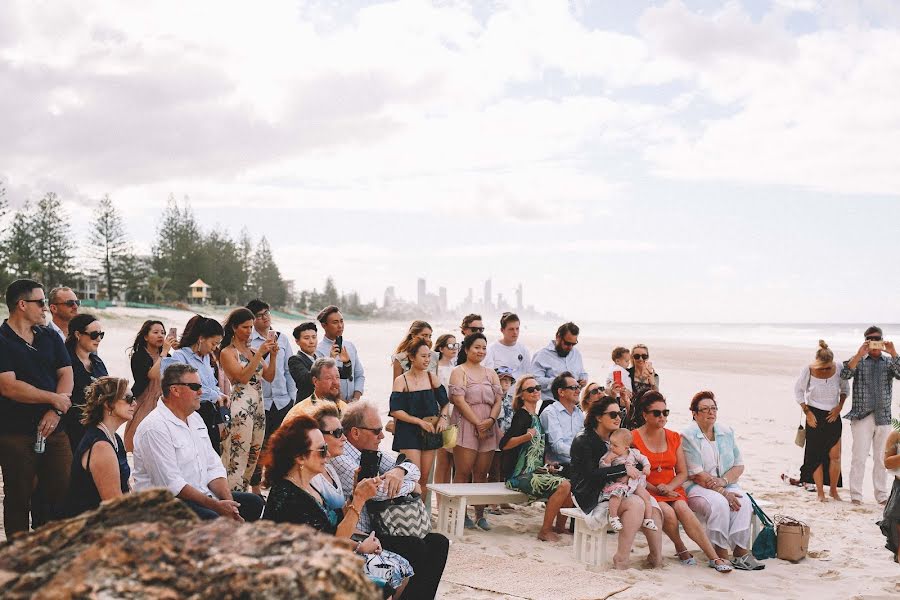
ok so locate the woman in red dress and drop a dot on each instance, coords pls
(668, 471)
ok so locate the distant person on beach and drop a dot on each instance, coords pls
(870, 415)
(400, 359)
(446, 347)
(151, 344)
(562, 420)
(471, 323)
(85, 334)
(558, 356)
(100, 468)
(326, 390)
(821, 393)
(172, 450)
(35, 392)
(307, 337)
(63, 304)
(333, 345)
(508, 351)
(890, 523)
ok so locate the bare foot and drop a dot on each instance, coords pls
(855, 501)
(548, 536)
(836, 496)
(561, 530)
(654, 562)
(620, 564)
(822, 498)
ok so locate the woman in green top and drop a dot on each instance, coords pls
(523, 460)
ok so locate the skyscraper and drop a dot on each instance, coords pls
(519, 305)
(420, 297)
(442, 294)
(488, 304)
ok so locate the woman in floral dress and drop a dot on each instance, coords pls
(243, 366)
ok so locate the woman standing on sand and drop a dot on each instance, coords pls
(150, 345)
(821, 393)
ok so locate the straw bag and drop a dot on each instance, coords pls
(800, 436)
(450, 434)
(793, 538)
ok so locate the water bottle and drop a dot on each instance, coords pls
(40, 442)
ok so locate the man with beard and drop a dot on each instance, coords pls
(326, 390)
(557, 357)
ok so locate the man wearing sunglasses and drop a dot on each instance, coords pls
(63, 308)
(562, 420)
(172, 450)
(35, 392)
(559, 356)
(870, 416)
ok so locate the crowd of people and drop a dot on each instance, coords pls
(226, 410)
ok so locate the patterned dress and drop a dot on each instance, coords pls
(240, 450)
(528, 475)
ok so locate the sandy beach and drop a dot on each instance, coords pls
(754, 388)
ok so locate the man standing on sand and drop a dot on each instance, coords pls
(307, 337)
(63, 308)
(558, 356)
(870, 416)
(508, 351)
(333, 345)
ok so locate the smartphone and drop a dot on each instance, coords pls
(173, 332)
(369, 463)
(272, 335)
(339, 342)
(225, 415)
(873, 345)
(617, 377)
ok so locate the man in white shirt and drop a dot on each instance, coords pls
(63, 305)
(508, 351)
(172, 450)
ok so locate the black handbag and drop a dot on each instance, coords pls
(403, 516)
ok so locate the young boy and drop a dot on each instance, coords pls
(621, 358)
(507, 380)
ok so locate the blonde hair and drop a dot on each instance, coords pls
(583, 400)
(517, 401)
(102, 395)
(621, 435)
(824, 353)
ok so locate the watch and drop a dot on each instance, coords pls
(58, 412)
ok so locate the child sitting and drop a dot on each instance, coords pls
(621, 453)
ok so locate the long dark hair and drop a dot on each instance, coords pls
(78, 323)
(235, 317)
(289, 442)
(640, 404)
(596, 410)
(199, 327)
(139, 342)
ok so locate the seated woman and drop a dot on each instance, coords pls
(294, 458)
(100, 468)
(523, 463)
(890, 523)
(668, 471)
(714, 466)
(589, 479)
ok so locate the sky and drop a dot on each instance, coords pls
(625, 161)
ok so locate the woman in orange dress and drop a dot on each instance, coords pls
(668, 471)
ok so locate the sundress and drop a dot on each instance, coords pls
(240, 450)
(538, 486)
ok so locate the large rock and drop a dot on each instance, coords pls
(150, 545)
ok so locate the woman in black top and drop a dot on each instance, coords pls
(84, 338)
(588, 479)
(100, 467)
(150, 345)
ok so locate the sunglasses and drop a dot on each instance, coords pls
(640, 356)
(476, 329)
(532, 389)
(453, 346)
(569, 344)
(575, 387)
(69, 303)
(196, 387)
(596, 391)
(323, 451)
(657, 413)
(335, 433)
(130, 399)
(375, 430)
(708, 409)
(873, 338)
(41, 301)
(94, 335)
(613, 414)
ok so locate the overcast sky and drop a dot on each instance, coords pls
(625, 160)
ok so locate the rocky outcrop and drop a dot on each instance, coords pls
(150, 545)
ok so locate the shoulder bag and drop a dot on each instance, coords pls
(765, 545)
(404, 516)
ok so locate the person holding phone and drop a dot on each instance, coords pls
(333, 345)
(872, 373)
(150, 345)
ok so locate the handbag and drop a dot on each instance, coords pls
(800, 436)
(431, 441)
(450, 434)
(793, 538)
(765, 544)
(403, 516)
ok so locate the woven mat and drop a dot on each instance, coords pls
(524, 578)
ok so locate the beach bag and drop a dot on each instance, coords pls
(450, 434)
(793, 538)
(765, 544)
(800, 436)
(404, 516)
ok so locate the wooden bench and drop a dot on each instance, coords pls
(452, 499)
(590, 544)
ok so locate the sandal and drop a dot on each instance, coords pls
(690, 561)
(615, 524)
(650, 524)
(721, 565)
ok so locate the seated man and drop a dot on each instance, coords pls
(363, 429)
(172, 450)
(326, 390)
(562, 420)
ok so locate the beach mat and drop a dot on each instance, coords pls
(522, 578)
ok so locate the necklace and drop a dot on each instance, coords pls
(110, 437)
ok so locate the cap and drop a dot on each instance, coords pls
(505, 372)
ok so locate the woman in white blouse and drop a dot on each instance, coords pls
(821, 394)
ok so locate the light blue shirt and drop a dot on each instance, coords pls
(357, 381)
(729, 454)
(282, 391)
(211, 391)
(547, 364)
(561, 428)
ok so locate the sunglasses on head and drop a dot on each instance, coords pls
(657, 413)
(640, 356)
(195, 387)
(94, 335)
(532, 389)
(873, 338)
(335, 433)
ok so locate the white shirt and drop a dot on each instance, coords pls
(171, 454)
(626, 378)
(823, 394)
(283, 390)
(56, 328)
(515, 357)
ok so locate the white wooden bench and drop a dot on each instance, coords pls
(590, 544)
(452, 499)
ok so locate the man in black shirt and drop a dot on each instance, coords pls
(35, 391)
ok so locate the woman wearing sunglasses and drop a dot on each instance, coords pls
(589, 479)
(644, 377)
(590, 394)
(84, 338)
(668, 471)
(100, 467)
(295, 465)
(446, 348)
(523, 464)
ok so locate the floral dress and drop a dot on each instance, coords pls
(527, 474)
(240, 450)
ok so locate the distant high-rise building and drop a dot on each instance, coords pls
(519, 305)
(420, 297)
(390, 296)
(442, 294)
(488, 304)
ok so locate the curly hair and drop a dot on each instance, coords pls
(285, 446)
(102, 395)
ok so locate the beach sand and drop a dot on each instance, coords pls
(754, 389)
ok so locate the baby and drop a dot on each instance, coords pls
(621, 453)
(621, 358)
